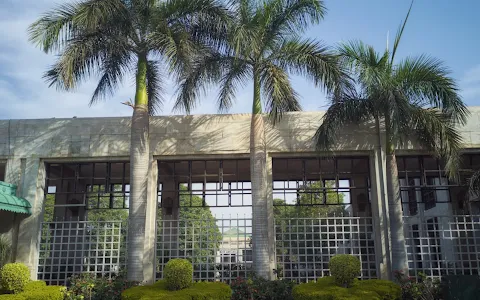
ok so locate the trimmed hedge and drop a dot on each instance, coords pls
(11, 297)
(178, 274)
(35, 286)
(51, 292)
(327, 289)
(14, 277)
(344, 268)
(197, 291)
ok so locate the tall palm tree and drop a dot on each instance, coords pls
(414, 97)
(110, 39)
(264, 45)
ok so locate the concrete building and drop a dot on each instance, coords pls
(75, 174)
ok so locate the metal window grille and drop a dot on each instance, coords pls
(218, 248)
(304, 246)
(85, 216)
(68, 248)
(424, 184)
(340, 185)
(188, 193)
(443, 245)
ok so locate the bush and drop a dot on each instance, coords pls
(327, 289)
(178, 274)
(14, 277)
(93, 288)
(258, 288)
(51, 292)
(34, 285)
(197, 291)
(421, 288)
(12, 297)
(344, 268)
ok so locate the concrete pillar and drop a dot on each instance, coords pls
(379, 214)
(28, 234)
(151, 224)
(270, 218)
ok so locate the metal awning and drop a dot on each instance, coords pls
(10, 202)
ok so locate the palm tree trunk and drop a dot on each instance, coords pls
(139, 161)
(399, 254)
(258, 160)
(383, 197)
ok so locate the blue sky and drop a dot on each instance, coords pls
(444, 29)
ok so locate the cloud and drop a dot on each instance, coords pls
(470, 85)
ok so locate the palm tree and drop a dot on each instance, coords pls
(414, 97)
(112, 39)
(263, 44)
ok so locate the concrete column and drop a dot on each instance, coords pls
(150, 224)
(270, 218)
(28, 234)
(379, 214)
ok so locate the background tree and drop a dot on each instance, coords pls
(413, 97)
(296, 220)
(263, 44)
(199, 235)
(112, 39)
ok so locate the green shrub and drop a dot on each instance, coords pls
(344, 268)
(178, 274)
(386, 289)
(12, 297)
(261, 289)
(14, 277)
(51, 292)
(197, 291)
(327, 289)
(34, 285)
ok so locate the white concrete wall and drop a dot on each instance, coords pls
(37, 141)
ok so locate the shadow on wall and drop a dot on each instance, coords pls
(202, 134)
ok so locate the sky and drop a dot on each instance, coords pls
(444, 29)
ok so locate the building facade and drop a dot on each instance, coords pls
(75, 174)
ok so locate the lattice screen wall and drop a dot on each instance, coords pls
(68, 248)
(442, 245)
(305, 246)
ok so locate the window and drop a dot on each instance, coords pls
(2, 171)
(247, 255)
(229, 258)
(81, 191)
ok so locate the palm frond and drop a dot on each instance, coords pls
(52, 31)
(236, 75)
(82, 58)
(113, 68)
(347, 109)
(204, 71)
(290, 17)
(426, 82)
(368, 67)
(313, 60)
(474, 183)
(154, 87)
(436, 132)
(279, 95)
(399, 34)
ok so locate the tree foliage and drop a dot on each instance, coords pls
(105, 39)
(415, 97)
(263, 43)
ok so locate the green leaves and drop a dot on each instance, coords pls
(105, 38)
(262, 41)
